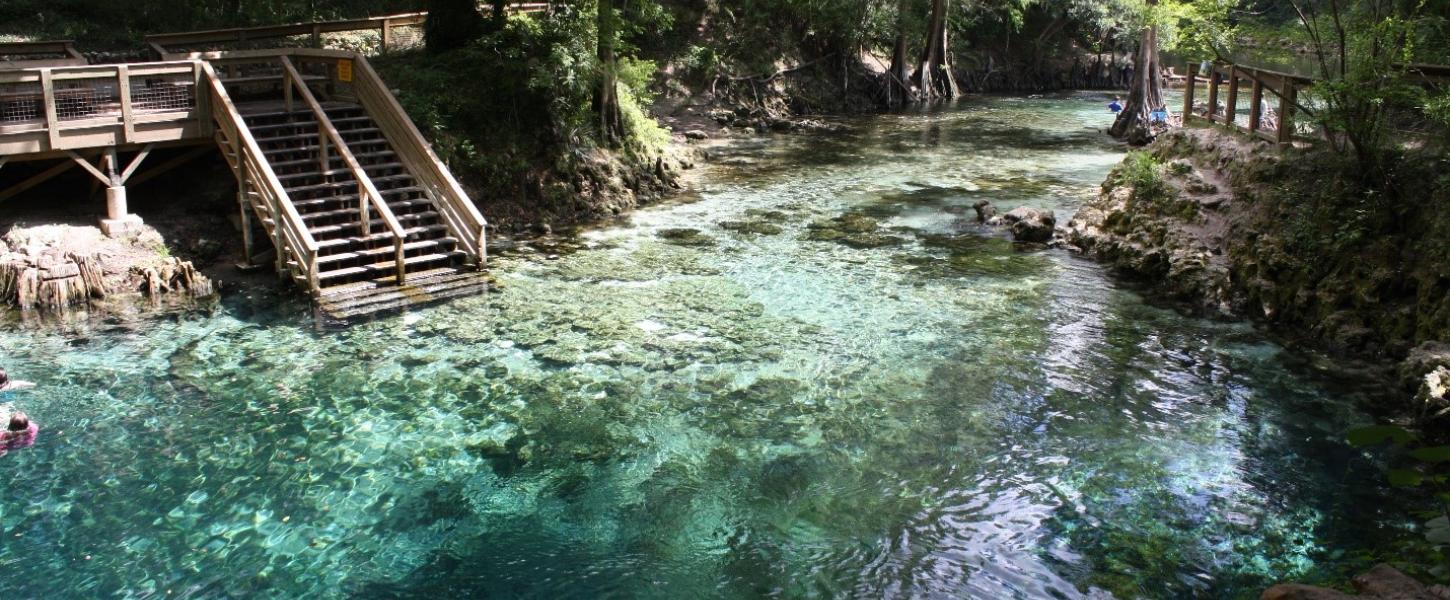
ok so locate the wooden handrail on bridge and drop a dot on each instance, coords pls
(161, 43)
(368, 194)
(255, 175)
(1284, 85)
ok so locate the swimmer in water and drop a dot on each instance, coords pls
(7, 384)
(19, 434)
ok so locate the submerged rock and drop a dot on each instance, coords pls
(985, 211)
(686, 237)
(1383, 582)
(1031, 224)
(755, 227)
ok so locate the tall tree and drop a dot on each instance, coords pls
(901, 90)
(1145, 93)
(452, 24)
(606, 95)
(934, 77)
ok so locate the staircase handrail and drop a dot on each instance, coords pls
(368, 194)
(461, 214)
(250, 157)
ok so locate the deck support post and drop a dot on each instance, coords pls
(119, 221)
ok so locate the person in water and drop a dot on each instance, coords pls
(1159, 115)
(1116, 106)
(7, 384)
(19, 434)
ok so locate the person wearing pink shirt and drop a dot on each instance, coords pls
(19, 434)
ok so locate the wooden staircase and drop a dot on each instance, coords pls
(359, 210)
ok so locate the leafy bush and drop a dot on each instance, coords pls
(1144, 173)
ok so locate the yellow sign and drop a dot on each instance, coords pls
(344, 70)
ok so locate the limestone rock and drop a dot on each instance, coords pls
(696, 134)
(985, 211)
(1031, 224)
(1383, 582)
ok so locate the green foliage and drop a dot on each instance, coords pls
(1144, 173)
(523, 91)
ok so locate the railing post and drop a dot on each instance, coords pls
(1188, 91)
(362, 206)
(400, 263)
(243, 202)
(1212, 92)
(1287, 98)
(123, 83)
(1256, 112)
(386, 35)
(316, 36)
(1231, 108)
(47, 90)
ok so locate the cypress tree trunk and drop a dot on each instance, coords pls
(500, 15)
(1144, 94)
(901, 92)
(934, 76)
(451, 24)
(606, 96)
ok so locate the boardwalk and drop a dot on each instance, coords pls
(336, 187)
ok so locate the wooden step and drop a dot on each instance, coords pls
(311, 136)
(317, 187)
(353, 211)
(363, 239)
(384, 251)
(274, 126)
(315, 202)
(337, 159)
(373, 298)
(313, 148)
(343, 171)
(264, 111)
(390, 265)
(261, 78)
(375, 223)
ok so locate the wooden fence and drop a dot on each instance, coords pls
(1276, 126)
(393, 32)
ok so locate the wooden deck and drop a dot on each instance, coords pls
(336, 187)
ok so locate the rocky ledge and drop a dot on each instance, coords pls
(54, 267)
(1235, 229)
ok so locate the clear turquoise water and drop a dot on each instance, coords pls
(734, 415)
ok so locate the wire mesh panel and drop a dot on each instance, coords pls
(163, 93)
(405, 37)
(21, 102)
(86, 99)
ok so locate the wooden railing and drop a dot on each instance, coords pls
(257, 181)
(368, 195)
(458, 210)
(1283, 85)
(54, 109)
(30, 55)
(387, 27)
